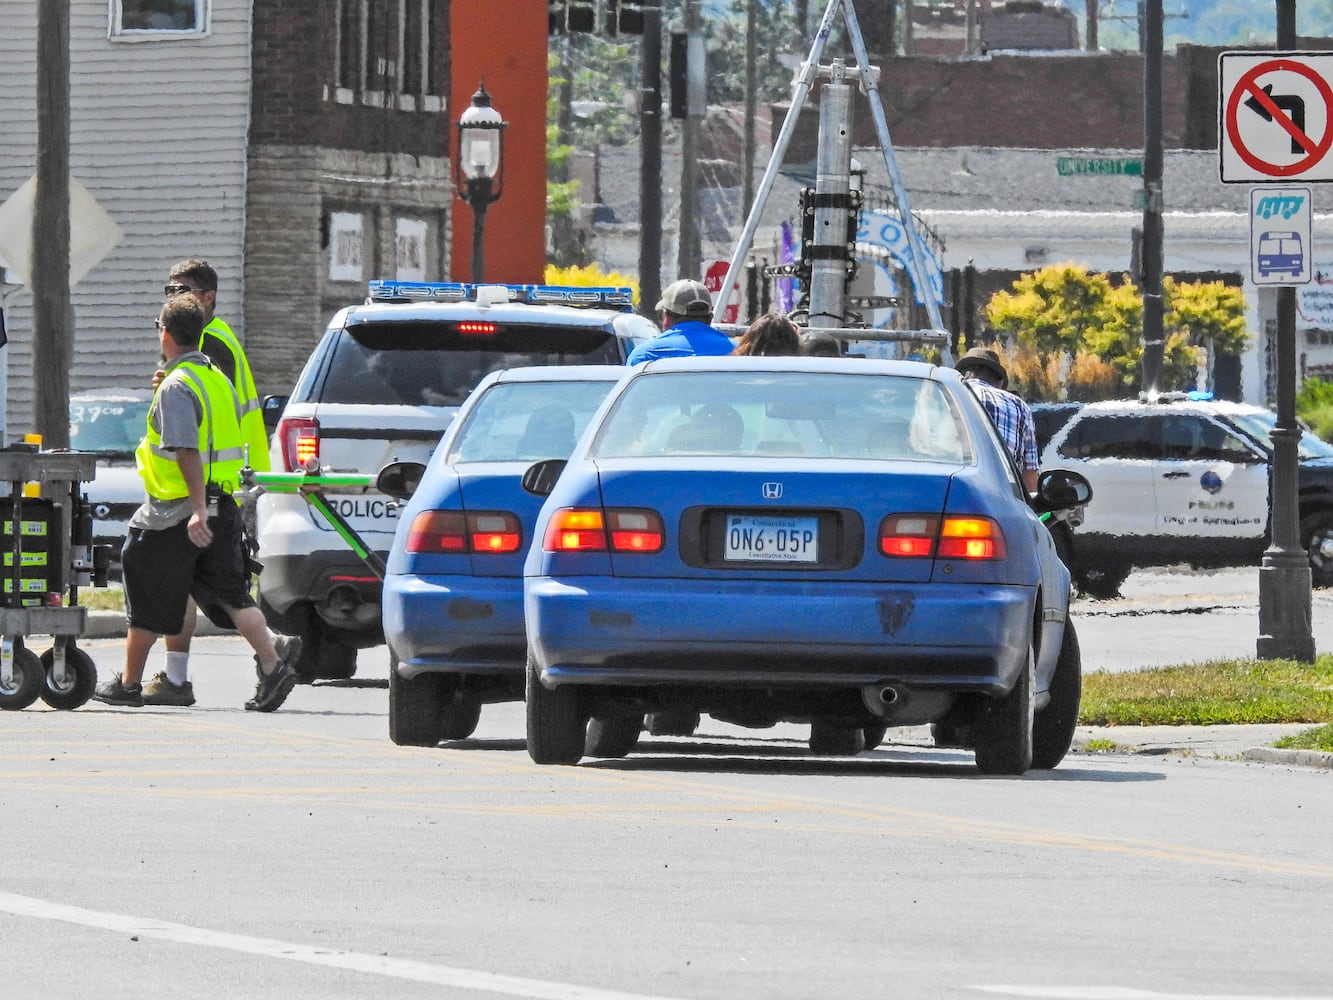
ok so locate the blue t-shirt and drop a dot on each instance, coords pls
(684, 339)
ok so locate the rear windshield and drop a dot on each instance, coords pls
(821, 415)
(526, 421)
(432, 364)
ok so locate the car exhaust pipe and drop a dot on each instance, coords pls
(880, 698)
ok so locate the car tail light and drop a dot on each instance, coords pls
(475, 329)
(971, 538)
(456, 532)
(588, 529)
(299, 441)
(925, 535)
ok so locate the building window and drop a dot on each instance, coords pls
(158, 17)
(409, 249)
(386, 54)
(346, 237)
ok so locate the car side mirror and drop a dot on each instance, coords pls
(540, 478)
(272, 408)
(1060, 489)
(400, 479)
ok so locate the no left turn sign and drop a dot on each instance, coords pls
(1275, 116)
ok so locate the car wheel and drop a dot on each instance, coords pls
(27, 679)
(1053, 729)
(1317, 537)
(1004, 727)
(556, 722)
(613, 736)
(80, 679)
(829, 740)
(874, 734)
(416, 707)
(672, 722)
(1101, 580)
(323, 656)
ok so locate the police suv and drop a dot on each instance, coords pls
(381, 386)
(1183, 480)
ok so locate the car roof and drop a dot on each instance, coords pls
(115, 395)
(507, 312)
(853, 366)
(557, 373)
(1205, 406)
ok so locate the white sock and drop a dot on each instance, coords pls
(178, 667)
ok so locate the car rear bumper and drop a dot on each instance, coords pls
(464, 624)
(628, 632)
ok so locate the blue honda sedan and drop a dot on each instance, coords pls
(453, 594)
(839, 542)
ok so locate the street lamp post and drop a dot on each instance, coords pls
(480, 167)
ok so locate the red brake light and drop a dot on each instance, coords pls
(298, 438)
(456, 532)
(575, 529)
(908, 535)
(924, 535)
(476, 329)
(971, 538)
(584, 529)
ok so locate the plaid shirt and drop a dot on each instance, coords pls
(1012, 419)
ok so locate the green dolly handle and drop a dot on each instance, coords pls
(311, 486)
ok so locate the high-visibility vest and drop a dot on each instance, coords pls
(221, 443)
(252, 414)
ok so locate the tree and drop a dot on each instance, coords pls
(1070, 333)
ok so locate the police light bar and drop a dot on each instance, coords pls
(459, 291)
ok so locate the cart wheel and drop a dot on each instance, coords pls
(80, 679)
(28, 680)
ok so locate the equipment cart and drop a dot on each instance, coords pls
(48, 553)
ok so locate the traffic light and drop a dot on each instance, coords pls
(602, 17)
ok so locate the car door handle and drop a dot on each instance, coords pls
(1175, 475)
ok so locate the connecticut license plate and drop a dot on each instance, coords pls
(771, 539)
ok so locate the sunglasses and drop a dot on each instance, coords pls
(176, 289)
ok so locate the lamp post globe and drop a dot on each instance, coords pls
(480, 166)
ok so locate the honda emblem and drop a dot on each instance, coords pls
(772, 491)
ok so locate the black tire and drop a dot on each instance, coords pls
(28, 680)
(1101, 581)
(829, 740)
(323, 656)
(80, 679)
(460, 713)
(1004, 727)
(1317, 537)
(1053, 729)
(556, 722)
(613, 736)
(874, 734)
(416, 707)
(672, 722)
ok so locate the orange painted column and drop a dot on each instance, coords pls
(503, 44)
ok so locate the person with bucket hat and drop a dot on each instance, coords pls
(986, 377)
(686, 307)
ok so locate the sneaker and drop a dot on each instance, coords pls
(272, 689)
(160, 691)
(113, 692)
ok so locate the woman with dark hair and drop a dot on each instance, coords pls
(772, 334)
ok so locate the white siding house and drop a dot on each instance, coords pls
(158, 132)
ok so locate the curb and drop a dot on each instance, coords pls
(111, 625)
(1303, 758)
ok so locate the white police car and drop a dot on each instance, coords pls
(381, 386)
(1183, 481)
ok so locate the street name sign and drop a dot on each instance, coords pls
(1069, 166)
(1275, 117)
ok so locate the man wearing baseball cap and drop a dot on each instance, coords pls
(986, 377)
(686, 308)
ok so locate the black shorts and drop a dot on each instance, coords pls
(161, 570)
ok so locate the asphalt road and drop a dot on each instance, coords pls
(210, 852)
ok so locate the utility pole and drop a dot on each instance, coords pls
(1151, 279)
(1284, 575)
(52, 315)
(751, 106)
(650, 168)
(1090, 10)
(688, 253)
